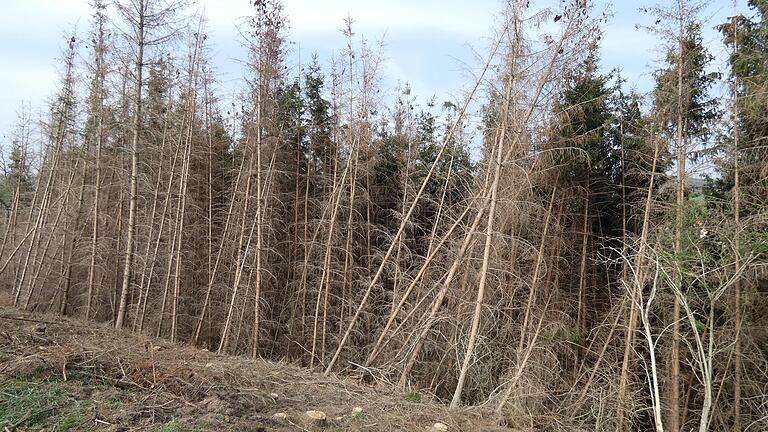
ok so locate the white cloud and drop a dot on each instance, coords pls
(426, 35)
(27, 16)
(306, 16)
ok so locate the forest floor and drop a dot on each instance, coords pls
(60, 374)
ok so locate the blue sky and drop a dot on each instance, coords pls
(426, 42)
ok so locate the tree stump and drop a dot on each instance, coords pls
(316, 418)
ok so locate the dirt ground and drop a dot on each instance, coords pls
(61, 374)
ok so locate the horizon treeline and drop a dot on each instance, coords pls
(568, 273)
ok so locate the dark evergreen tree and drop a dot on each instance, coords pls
(747, 37)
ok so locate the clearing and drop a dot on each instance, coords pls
(61, 374)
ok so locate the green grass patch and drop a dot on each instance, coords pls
(39, 406)
(176, 426)
(172, 426)
(412, 396)
(113, 403)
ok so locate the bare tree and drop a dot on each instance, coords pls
(149, 24)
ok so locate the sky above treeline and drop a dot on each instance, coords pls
(431, 44)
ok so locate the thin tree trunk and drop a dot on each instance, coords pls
(648, 332)
(41, 259)
(220, 252)
(146, 278)
(636, 290)
(133, 197)
(406, 294)
(407, 217)
(259, 223)
(240, 262)
(96, 202)
(736, 245)
(498, 152)
(72, 243)
(524, 355)
(673, 419)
